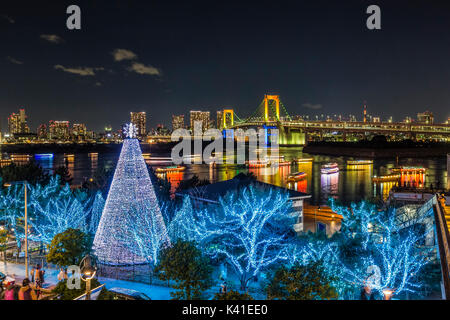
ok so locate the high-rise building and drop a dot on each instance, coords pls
(202, 116)
(59, 130)
(17, 123)
(365, 113)
(139, 119)
(42, 131)
(219, 120)
(79, 130)
(177, 122)
(425, 117)
(13, 124)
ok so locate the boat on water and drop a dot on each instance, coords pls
(170, 169)
(257, 163)
(359, 162)
(387, 178)
(296, 176)
(329, 168)
(409, 170)
(304, 160)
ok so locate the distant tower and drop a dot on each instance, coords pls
(365, 111)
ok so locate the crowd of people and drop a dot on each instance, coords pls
(29, 290)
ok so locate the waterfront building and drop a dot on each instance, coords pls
(219, 120)
(79, 130)
(202, 116)
(59, 130)
(177, 122)
(425, 117)
(139, 119)
(17, 123)
(42, 131)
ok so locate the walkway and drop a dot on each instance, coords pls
(51, 278)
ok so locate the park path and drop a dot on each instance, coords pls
(51, 278)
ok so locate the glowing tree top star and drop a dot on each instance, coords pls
(131, 199)
(130, 130)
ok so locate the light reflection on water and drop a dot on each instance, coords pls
(351, 183)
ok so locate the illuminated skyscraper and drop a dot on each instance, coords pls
(139, 119)
(219, 120)
(365, 113)
(42, 131)
(177, 122)
(425, 117)
(79, 130)
(59, 130)
(17, 123)
(202, 116)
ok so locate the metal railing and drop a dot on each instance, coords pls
(443, 238)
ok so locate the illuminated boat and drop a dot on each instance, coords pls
(304, 160)
(359, 162)
(329, 168)
(43, 156)
(170, 169)
(387, 178)
(296, 176)
(409, 170)
(257, 163)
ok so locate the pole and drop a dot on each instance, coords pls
(26, 232)
(88, 289)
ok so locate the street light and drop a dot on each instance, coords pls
(387, 293)
(26, 222)
(88, 271)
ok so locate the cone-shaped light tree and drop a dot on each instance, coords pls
(131, 199)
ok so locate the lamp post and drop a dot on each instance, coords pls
(387, 294)
(87, 270)
(26, 223)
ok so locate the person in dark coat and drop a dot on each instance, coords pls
(367, 294)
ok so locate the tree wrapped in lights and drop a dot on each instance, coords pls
(388, 255)
(51, 210)
(183, 223)
(131, 199)
(250, 229)
(148, 238)
(94, 209)
(397, 255)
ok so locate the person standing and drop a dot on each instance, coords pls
(62, 275)
(39, 276)
(26, 292)
(33, 270)
(10, 289)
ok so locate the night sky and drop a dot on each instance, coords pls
(177, 56)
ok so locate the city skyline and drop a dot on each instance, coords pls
(321, 59)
